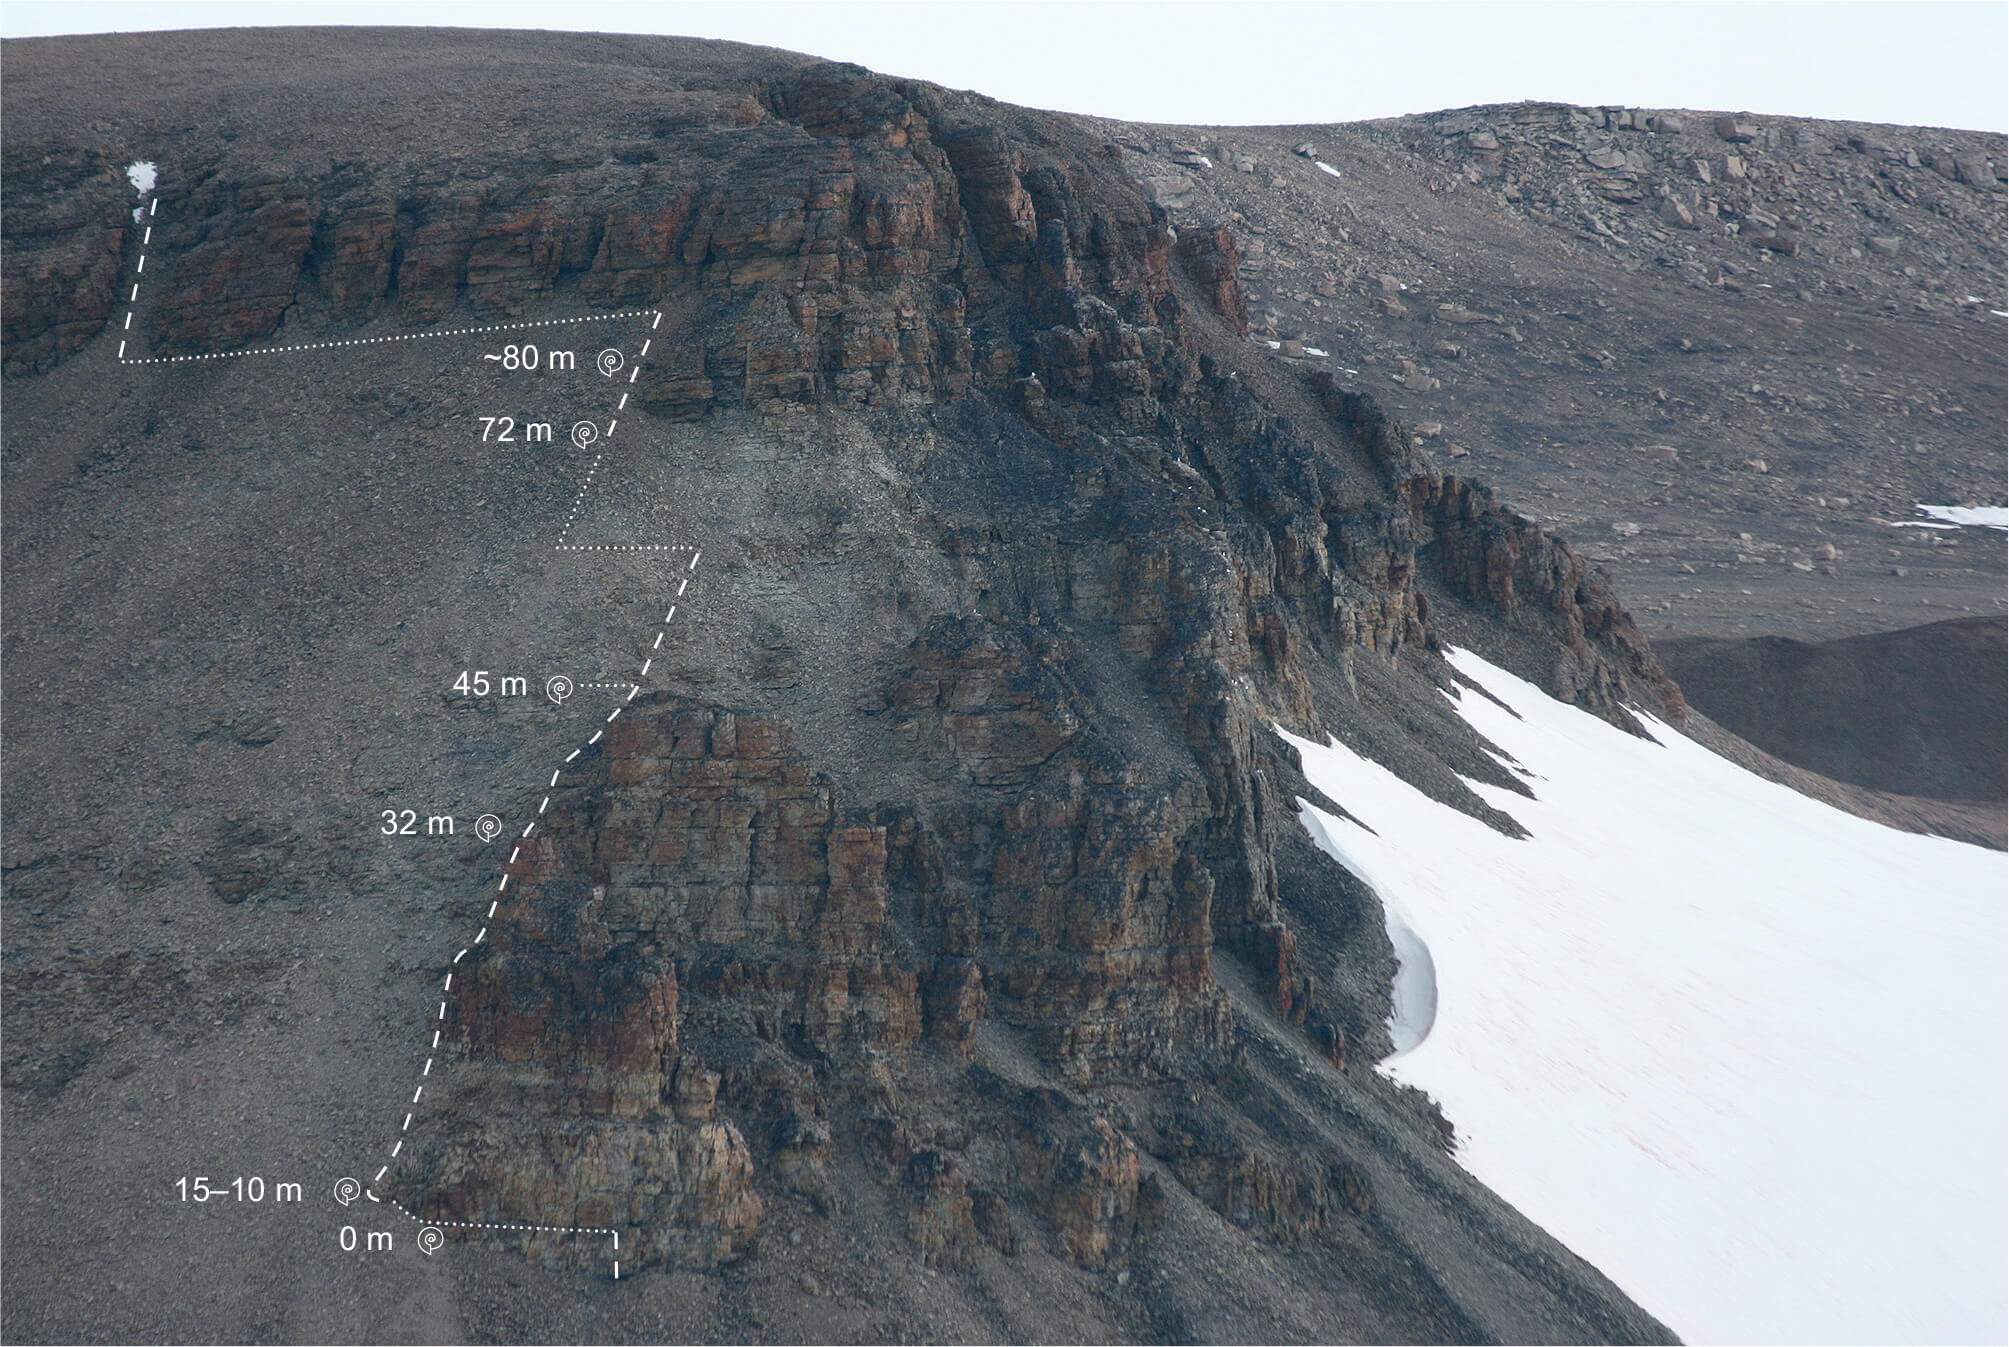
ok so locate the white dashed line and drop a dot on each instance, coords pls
(632, 690)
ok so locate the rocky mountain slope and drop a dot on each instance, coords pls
(926, 946)
(1718, 352)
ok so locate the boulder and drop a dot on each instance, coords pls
(1974, 170)
(1737, 130)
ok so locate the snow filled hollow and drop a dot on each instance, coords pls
(1741, 1051)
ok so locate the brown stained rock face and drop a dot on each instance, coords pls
(840, 258)
(514, 260)
(1081, 1174)
(231, 288)
(1214, 260)
(975, 700)
(719, 837)
(682, 1194)
(941, 1218)
(708, 873)
(433, 272)
(1105, 934)
(356, 260)
(710, 835)
(953, 1004)
(64, 252)
(639, 257)
(1495, 556)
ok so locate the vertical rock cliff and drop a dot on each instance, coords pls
(971, 901)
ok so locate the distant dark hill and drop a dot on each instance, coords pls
(1917, 712)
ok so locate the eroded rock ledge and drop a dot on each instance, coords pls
(995, 996)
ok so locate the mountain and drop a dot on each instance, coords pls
(1721, 353)
(900, 924)
(1821, 703)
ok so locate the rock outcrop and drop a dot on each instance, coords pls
(707, 885)
(973, 906)
(65, 246)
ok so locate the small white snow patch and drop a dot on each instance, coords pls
(1980, 516)
(142, 176)
(1326, 167)
(1313, 350)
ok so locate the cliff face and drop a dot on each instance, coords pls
(1023, 938)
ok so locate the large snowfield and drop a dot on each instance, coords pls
(1743, 1052)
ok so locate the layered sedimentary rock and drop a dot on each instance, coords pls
(65, 243)
(996, 979)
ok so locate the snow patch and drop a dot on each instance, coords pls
(1740, 1050)
(142, 176)
(1327, 167)
(1983, 516)
(1413, 999)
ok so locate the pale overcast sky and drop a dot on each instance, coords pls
(1933, 64)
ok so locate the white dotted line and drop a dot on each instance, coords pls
(500, 1225)
(371, 341)
(580, 499)
(622, 547)
(645, 669)
(586, 485)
